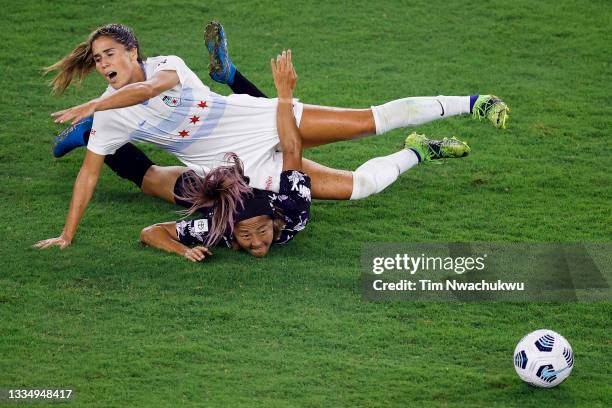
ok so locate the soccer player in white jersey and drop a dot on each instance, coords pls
(161, 101)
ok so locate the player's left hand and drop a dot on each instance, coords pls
(75, 114)
(285, 77)
(61, 241)
(197, 254)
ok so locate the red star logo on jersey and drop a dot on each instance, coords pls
(184, 133)
(202, 104)
(194, 119)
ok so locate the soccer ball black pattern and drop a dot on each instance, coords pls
(543, 358)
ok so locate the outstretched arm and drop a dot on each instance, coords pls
(84, 187)
(129, 95)
(285, 79)
(163, 236)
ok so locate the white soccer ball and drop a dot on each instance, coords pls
(543, 358)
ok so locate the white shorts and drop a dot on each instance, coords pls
(252, 136)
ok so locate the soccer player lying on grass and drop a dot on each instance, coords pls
(161, 101)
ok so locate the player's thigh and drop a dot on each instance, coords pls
(159, 181)
(328, 183)
(320, 125)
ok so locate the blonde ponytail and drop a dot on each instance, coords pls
(80, 62)
(77, 64)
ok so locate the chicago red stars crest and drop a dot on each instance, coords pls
(172, 101)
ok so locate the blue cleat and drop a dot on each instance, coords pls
(72, 137)
(221, 69)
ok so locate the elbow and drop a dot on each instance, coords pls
(293, 148)
(296, 155)
(147, 233)
(148, 91)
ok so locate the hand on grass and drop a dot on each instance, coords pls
(75, 114)
(59, 241)
(197, 254)
(284, 75)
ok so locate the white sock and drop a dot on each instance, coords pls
(378, 173)
(417, 110)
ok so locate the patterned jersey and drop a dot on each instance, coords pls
(292, 205)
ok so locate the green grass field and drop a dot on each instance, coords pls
(123, 325)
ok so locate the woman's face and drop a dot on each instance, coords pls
(115, 63)
(255, 235)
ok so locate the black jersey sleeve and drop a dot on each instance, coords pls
(293, 203)
(192, 232)
(195, 232)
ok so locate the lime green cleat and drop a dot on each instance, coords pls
(436, 149)
(492, 108)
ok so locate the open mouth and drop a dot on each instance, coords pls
(111, 75)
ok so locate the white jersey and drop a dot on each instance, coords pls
(198, 126)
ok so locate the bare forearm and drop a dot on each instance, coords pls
(158, 237)
(82, 192)
(129, 95)
(290, 138)
(289, 135)
(84, 187)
